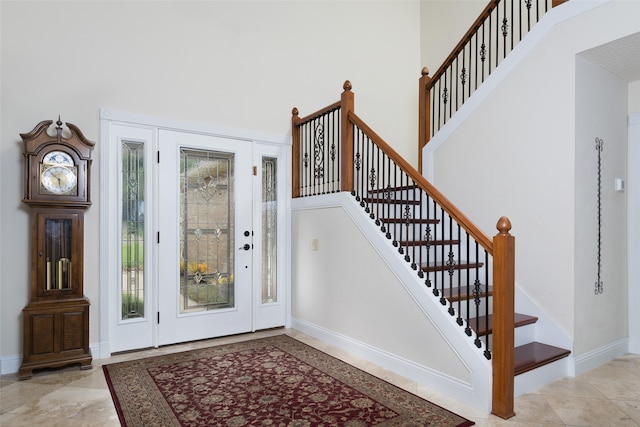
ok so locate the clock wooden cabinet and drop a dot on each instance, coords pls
(56, 320)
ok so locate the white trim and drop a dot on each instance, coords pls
(480, 368)
(10, 364)
(541, 376)
(521, 50)
(633, 206)
(594, 358)
(442, 383)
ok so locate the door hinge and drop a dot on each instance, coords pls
(158, 156)
(158, 237)
(158, 318)
(255, 171)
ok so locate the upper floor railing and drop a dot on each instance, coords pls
(491, 37)
(334, 150)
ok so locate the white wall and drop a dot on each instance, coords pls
(232, 64)
(518, 150)
(601, 112)
(634, 97)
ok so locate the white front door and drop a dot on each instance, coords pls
(193, 234)
(205, 236)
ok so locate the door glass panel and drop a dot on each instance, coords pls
(269, 229)
(207, 230)
(132, 230)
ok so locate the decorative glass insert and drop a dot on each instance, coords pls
(269, 229)
(207, 230)
(132, 230)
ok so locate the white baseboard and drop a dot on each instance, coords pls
(594, 358)
(424, 376)
(11, 364)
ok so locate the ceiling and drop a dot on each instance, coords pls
(620, 57)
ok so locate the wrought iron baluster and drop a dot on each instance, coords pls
(467, 329)
(487, 351)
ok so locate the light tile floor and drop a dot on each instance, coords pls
(606, 396)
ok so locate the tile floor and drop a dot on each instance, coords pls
(69, 397)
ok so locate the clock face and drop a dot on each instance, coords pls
(59, 180)
(58, 158)
(58, 174)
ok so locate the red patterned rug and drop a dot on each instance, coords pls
(276, 381)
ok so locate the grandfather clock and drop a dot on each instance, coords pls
(56, 188)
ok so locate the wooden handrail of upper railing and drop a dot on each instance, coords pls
(425, 185)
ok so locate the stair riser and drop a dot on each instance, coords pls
(522, 335)
(472, 311)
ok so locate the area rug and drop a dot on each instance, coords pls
(276, 381)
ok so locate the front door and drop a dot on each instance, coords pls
(205, 236)
(193, 234)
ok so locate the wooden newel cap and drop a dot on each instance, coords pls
(504, 225)
(346, 85)
(294, 112)
(425, 71)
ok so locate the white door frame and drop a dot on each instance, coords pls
(633, 189)
(109, 268)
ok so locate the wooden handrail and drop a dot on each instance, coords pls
(320, 112)
(425, 185)
(463, 41)
(295, 153)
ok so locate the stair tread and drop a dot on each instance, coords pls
(536, 354)
(390, 201)
(439, 266)
(519, 320)
(452, 293)
(391, 189)
(410, 220)
(432, 242)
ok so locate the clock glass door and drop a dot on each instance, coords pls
(205, 246)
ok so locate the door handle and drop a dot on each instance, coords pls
(246, 247)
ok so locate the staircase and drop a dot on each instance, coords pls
(470, 274)
(469, 305)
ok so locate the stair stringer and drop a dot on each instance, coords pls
(477, 392)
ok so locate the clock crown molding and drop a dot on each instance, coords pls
(39, 137)
(51, 185)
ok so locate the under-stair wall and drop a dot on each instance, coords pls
(353, 291)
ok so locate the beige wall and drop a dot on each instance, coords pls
(444, 22)
(232, 64)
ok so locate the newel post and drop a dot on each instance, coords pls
(346, 143)
(424, 113)
(503, 320)
(295, 153)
